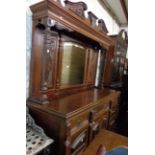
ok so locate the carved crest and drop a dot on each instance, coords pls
(78, 7)
(92, 18)
(102, 26)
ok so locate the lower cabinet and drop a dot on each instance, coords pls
(73, 132)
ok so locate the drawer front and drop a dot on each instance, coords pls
(99, 110)
(79, 122)
(103, 107)
(79, 141)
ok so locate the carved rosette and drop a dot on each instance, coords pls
(78, 7)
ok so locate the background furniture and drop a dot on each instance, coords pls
(117, 61)
(116, 77)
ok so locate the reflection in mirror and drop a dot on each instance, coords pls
(72, 65)
(100, 68)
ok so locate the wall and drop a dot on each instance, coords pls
(28, 49)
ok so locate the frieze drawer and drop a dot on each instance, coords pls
(100, 109)
(80, 122)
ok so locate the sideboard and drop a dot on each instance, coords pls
(72, 121)
(63, 98)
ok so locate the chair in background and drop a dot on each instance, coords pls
(36, 140)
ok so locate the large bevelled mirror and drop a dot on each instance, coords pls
(72, 64)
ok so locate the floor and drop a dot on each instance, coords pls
(108, 139)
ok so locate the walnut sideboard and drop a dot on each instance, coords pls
(73, 120)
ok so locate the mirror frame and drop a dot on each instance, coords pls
(64, 39)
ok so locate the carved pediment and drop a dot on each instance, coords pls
(92, 18)
(102, 26)
(77, 7)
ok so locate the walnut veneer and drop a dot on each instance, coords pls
(71, 115)
(66, 118)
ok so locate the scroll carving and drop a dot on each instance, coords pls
(50, 45)
(102, 26)
(78, 7)
(92, 19)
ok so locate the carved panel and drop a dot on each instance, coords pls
(50, 47)
(78, 7)
(102, 26)
(92, 19)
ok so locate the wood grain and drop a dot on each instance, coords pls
(109, 139)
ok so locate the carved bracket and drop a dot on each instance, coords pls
(45, 22)
(78, 7)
